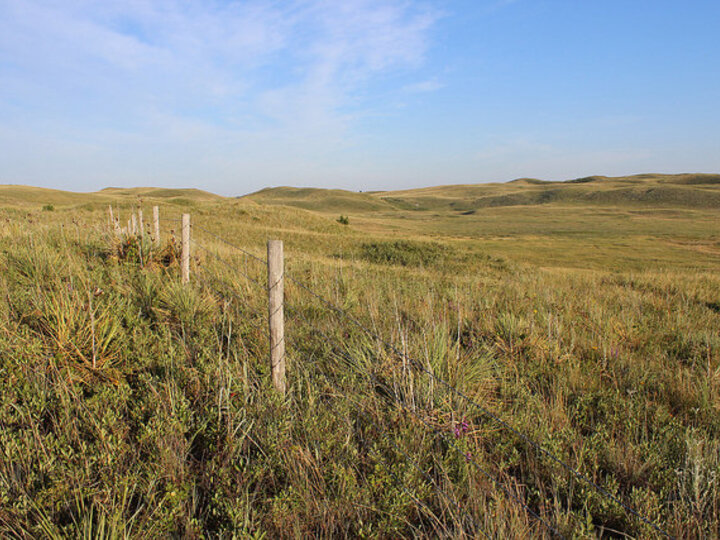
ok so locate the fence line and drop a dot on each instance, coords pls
(224, 262)
(383, 462)
(216, 237)
(377, 427)
(394, 350)
(382, 432)
(467, 399)
(496, 481)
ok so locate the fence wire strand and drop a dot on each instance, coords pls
(221, 239)
(223, 261)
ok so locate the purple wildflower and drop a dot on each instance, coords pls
(461, 428)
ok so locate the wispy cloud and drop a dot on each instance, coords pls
(237, 73)
(430, 85)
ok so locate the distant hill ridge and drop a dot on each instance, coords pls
(30, 195)
(666, 190)
(673, 190)
(685, 178)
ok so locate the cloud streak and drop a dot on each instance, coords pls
(183, 76)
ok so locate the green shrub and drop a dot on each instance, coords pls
(48, 208)
(404, 253)
(344, 220)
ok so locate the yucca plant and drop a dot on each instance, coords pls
(79, 327)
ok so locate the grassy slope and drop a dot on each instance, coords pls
(597, 222)
(323, 200)
(591, 328)
(685, 190)
(30, 197)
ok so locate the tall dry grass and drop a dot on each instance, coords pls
(133, 406)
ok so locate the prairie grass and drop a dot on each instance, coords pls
(132, 406)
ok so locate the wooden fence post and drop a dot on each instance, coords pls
(112, 217)
(185, 248)
(156, 225)
(276, 318)
(141, 230)
(133, 224)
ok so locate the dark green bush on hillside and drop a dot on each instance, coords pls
(344, 220)
(404, 253)
(48, 208)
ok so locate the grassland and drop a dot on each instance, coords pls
(133, 406)
(596, 222)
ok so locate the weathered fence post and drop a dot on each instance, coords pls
(112, 217)
(133, 224)
(156, 225)
(276, 318)
(185, 248)
(140, 220)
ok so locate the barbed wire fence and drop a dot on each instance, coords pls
(253, 269)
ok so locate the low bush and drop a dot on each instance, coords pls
(404, 253)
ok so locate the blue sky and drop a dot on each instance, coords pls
(234, 96)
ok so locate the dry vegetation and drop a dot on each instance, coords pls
(131, 406)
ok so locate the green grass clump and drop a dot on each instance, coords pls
(404, 253)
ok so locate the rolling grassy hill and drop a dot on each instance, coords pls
(322, 200)
(648, 190)
(637, 222)
(633, 222)
(682, 191)
(29, 197)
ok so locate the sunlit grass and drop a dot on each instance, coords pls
(600, 343)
